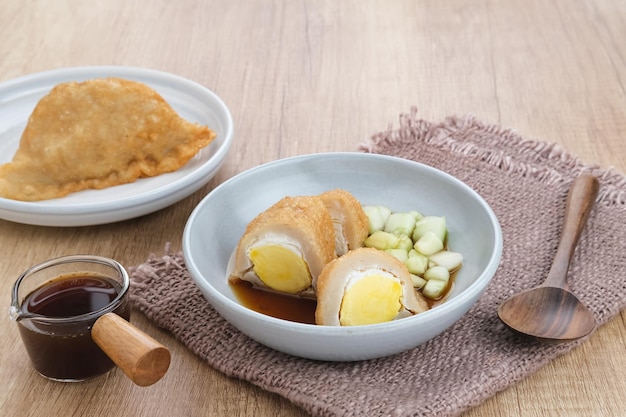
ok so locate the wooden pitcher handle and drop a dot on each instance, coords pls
(139, 356)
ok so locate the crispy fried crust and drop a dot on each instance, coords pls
(351, 222)
(333, 279)
(304, 219)
(96, 134)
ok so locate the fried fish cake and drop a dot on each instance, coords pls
(350, 221)
(366, 286)
(96, 134)
(285, 247)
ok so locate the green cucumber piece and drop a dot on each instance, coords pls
(435, 224)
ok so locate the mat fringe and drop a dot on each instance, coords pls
(445, 135)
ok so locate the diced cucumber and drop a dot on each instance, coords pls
(418, 241)
(435, 224)
(416, 214)
(428, 244)
(400, 224)
(416, 262)
(438, 273)
(448, 259)
(382, 240)
(377, 216)
(418, 282)
(401, 254)
(405, 243)
(434, 289)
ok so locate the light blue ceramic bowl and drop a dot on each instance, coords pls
(215, 226)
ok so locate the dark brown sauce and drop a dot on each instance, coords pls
(297, 309)
(70, 296)
(301, 310)
(66, 350)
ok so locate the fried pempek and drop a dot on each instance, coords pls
(96, 134)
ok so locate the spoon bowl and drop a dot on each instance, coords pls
(550, 311)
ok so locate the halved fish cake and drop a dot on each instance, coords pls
(350, 221)
(96, 134)
(365, 286)
(285, 248)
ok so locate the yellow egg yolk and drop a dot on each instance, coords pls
(371, 299)
(280, 268)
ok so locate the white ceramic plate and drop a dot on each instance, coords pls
(217, 223)
(192, 101)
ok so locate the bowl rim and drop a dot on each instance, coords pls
(474, 290)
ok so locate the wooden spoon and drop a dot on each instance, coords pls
(143, 359)
(550, 311)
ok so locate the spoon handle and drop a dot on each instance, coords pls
(580, 199)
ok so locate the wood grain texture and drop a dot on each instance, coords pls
(143, 359)
(312, 76)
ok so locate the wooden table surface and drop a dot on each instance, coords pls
(311, 76)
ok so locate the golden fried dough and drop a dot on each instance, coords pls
(96, 134)
(285, 247)
(350, 221)
(366, 286)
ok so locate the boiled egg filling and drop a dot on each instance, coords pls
(280, 268)
(373, 297)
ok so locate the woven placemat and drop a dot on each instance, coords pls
(526, 184)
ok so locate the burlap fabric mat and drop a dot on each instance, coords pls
(526, 183)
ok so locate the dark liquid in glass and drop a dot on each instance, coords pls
(65, 351)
